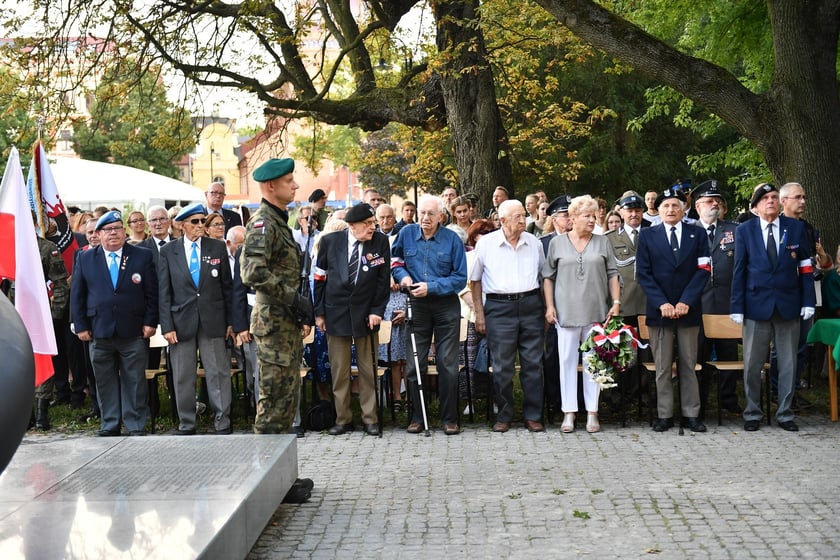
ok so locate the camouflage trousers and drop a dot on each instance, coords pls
(279, 382)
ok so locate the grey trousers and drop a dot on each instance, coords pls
(757, 337)
(216, 362)
(662, 345)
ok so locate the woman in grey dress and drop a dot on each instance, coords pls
(580, 279)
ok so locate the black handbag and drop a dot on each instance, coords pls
(320, 416)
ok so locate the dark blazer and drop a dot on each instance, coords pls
(182, 306)
(718, 289)
(758, 289)
(151, 244)
(231, 219)
(346, 307)
(122, 312)
(668, 280)
(546, 241)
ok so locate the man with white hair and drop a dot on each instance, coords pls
(429, 261)
(507, 266)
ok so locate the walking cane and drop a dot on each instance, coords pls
(376, 386)
(409, 318)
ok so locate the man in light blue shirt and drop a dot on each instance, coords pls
(430, 261)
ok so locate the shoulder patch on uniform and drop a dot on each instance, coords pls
(259, 224)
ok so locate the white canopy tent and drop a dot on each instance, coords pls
(88, 184)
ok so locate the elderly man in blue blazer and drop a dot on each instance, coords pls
(352, 281)
(196, 315)
(672, 267)
(114, 305)
(772, 290)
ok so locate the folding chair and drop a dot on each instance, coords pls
(721, 327)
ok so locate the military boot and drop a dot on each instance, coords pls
(42, 415)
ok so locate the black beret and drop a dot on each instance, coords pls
(670, 192)
(317, 195)
(273, 168)
(559, 204)
(359, 213)
(763, 189)
(707, 188)
(632, 201)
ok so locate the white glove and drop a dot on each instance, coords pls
(737, 317)
(806, 313)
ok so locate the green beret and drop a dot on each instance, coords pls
(273, 168)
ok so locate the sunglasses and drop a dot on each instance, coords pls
(195, 221)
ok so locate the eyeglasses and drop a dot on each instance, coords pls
(158, 220)
(216, 193)
(195, 221)
(387, 218)
(217, 224)
(111, 229)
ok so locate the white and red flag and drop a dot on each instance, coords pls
(20, 261)
(44, 199)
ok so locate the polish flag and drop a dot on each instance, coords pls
(20, 260)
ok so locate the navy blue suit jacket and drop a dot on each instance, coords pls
(122, 312)
(757, 288)
(667, 280)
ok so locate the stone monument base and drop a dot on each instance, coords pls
(143, 497)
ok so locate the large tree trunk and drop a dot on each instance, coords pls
(479, 138)
(794, 124)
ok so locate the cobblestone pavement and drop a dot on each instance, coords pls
(622, 493)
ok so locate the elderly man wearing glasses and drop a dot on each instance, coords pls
(114, 306)
(215, 196)
(196, 315)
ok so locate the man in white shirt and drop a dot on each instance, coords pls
(506, 273)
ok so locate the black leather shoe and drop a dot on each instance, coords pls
(225, 432)
(108, 433)
(298, 431)
(297, 494)
(751, 425)
(789, 426)
(340, 429)
(663, 424)
(693, 424)
(189, 432)
(137, 433)
(304, 483)
(372, 429)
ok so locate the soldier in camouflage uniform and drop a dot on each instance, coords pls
(55, 275)
(270, 264)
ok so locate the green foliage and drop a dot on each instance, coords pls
(133, 124)
(17, 127)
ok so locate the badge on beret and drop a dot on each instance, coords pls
(214, 273)
(136, 278)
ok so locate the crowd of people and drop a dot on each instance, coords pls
(530, 279)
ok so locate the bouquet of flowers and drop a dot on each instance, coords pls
(612, 344)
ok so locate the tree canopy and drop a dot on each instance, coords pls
(767, 71)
